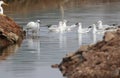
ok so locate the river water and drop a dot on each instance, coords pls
(34, 57)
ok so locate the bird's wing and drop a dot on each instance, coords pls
(30, 24)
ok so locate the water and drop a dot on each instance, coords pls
(35, 55)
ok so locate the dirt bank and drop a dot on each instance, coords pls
(10, 32)
(101, 60)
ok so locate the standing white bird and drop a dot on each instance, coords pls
(34, 27)
(1, 9)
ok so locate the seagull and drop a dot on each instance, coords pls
(1, 9)
(33, 26)
(83, 30)
(97, 31)
(64, 24)
(55, 28)
(70, 27)
(94, 29)
(102, 27)
(61, 27)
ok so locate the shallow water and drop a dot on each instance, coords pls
(35, 55)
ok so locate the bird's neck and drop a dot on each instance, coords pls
(1, 10)
(100, 25)
(94, 28)
(80, 28)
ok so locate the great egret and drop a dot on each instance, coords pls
(1, 9)
(34, 27)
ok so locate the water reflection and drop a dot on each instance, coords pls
(62, 40)
(33, 45)
(94, 38)
(6, 52)
(80, 39)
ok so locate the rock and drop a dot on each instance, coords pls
(70, 54)
(100, 60)
(108, 36)
(55, 66)
(84, 48)
(13, 37)
(10, 32)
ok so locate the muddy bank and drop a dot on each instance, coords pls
(10, 32)
(101, 60)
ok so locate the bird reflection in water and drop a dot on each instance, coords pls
(79, 39)
(62, 40)
(33, 45)
(94, 38)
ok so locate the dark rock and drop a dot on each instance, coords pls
(55, 66)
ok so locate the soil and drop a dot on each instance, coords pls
(101, 60)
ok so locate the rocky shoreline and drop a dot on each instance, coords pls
(100, 60)
(10, 32)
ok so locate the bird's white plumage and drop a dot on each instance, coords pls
(33, 26)
(103, 26)
(97, 31)
(94, 30)
(82, 30)
(56, 28)
(61, 27)
(1, 9)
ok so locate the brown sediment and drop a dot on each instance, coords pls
(101, 60)
(9, 50)
(10, 32)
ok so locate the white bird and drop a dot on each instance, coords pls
(55, 28)
(69, 28)
(83, 30)
(1, 9)
(61, 27)
(103, 27)
(97, 31)
(64, 24)
(94, 29)
(34, 27)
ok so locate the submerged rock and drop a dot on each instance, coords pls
(10, 32)
(101, 60)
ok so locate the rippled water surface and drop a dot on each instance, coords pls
(35, 55)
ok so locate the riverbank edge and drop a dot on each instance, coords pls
(10, 32)
(100, 60)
